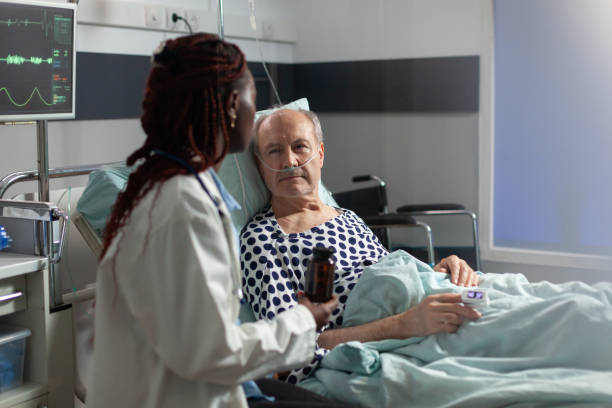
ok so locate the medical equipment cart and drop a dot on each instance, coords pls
(25, 302)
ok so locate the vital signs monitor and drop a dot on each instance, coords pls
(37, 60)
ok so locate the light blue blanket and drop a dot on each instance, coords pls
(537, 344)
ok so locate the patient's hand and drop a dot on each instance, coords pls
(460, 272)
(441, 313)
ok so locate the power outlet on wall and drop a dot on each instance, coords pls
(154, 16)
(177, 25)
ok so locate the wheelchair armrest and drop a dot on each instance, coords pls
(368, 177)
(430, 207)
(444, 210)
(388, 220)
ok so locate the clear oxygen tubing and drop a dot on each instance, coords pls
(288, 169)
(253, 21)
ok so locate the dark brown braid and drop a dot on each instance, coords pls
(183, 111)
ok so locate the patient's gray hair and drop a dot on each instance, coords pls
(310, 114)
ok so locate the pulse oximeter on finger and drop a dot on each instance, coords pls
(474, 297)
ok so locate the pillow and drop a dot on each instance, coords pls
(241, 178)
(100, 195)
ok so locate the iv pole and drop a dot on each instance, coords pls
(43, 195)
(43, 160)
(220, 21)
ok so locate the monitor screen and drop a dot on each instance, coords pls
(37, 60)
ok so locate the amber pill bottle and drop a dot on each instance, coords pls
(320, 275)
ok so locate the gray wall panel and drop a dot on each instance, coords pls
(446, 84)
(110, 86)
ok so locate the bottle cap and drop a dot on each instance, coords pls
(322, 252)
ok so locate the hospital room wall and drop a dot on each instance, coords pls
(424, 157)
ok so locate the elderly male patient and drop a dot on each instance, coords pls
(277, 243)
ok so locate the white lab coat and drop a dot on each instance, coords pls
(165, 319)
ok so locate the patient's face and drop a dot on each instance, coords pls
(287, 139)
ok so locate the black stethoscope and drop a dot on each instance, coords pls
(193, 171)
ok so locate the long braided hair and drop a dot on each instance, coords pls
(183, 111)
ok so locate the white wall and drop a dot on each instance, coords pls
(385, 29)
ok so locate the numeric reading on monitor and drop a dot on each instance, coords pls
(36, 60)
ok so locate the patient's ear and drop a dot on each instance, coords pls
(321, 153)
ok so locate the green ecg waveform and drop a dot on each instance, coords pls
(18, 22)
(20, 105)
(19, 60)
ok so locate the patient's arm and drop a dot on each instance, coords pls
(435, 314)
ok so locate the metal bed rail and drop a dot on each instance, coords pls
(61, 172)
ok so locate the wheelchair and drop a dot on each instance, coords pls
(371, 204)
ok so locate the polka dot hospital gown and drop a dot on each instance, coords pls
(274, 264)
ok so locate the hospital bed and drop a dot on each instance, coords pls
(459, 379)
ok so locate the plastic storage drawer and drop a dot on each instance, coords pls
(12, 355)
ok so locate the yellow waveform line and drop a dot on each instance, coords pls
(20, 105)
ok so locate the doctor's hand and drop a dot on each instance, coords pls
(460, 272)
(440, 313)
(320, 311)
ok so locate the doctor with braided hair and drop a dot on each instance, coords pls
(169, 281)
